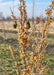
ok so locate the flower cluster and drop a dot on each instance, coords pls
(23, 37)
(38, 37)
(39, 49)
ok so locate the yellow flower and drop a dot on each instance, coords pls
(33, 25)
(21, 0)
(29, 67)
(13, 16)
(38, 39)
(21, 56)
(43, 30)
(19, 8)
(41, 56)
(4, 73)
(26, 45)
(37, 50)
(37, 65)
(48, 12)
(31, 53)
(35, 58)
(17, 72)
(45, 70)
(20, 51)
(16, 64)
(52, 3)
(33, 46)
(26, 71)
(25, 16)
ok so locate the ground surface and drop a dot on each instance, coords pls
(6, 60)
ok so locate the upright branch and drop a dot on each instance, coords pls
(39, 48)
(22, 36)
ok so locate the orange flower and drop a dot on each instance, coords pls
(5, 73)
(12, 16)
(52, 3)
(21, 0)
(33, 46)
(17, 72)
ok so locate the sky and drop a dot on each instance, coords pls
(39, 7)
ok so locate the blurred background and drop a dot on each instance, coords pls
(35, 9)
